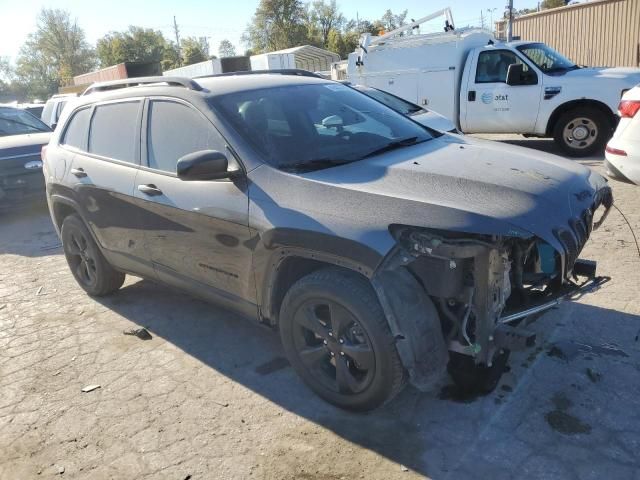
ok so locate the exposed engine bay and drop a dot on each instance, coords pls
(483, 286)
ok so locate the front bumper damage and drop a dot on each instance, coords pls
(457, 292)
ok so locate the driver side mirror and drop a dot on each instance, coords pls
(517, 76)
(514, 74)
(204, 165)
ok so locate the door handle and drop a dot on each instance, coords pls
(150, 190)
(78, 172)
(471, 96)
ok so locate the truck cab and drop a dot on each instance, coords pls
(529, 88)
(487, 86)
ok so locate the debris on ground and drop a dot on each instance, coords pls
(90, 388)
(220, 403)
(567, 350)
(141, 333)
(4, 305)
(60, 469)
(50, 247)
(39, 290)
(56, 373)
(593, 375)
(273, 365)
(562, 421)
(403, 468)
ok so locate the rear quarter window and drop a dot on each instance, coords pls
(76, 133)
(114, 130)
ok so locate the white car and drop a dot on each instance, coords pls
(623, 150)
(428, 118)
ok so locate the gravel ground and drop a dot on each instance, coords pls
(211, 396)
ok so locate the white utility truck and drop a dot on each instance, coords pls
(487, 86)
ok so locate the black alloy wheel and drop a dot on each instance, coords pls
(333, 346)
(87, 263)
(337, 338)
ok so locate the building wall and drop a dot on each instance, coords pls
(596, 33)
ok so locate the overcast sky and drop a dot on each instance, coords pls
(215, 19)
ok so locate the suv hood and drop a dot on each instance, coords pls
(448, 183)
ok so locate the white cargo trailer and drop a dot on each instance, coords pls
(273, 61)
(213, 66)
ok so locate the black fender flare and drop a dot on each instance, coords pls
(414, 323)
(277, 247)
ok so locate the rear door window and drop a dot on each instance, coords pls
(114, 131)
(174, 130)
(76, 133)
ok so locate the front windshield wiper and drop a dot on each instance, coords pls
(405, 142)
(315, 163)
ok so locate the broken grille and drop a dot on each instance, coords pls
(574, 238)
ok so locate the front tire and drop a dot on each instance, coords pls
(88, 266)
(336, 337)
(582, 131)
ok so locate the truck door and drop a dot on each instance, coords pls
(492, 106)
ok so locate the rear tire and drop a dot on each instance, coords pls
(88, 266)
(336, 337)
(582, 131)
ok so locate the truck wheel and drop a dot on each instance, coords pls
(336, 337)
(474, 378)
(88, 266)
(582, 131)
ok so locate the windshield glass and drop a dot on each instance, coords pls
(15, 121)
(306, 127)
(391, 101)
(546, 58)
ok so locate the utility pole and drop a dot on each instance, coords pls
(510, 26)
(177, 32)
(481, 20)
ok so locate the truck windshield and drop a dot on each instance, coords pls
(15, 121)
(546, 58)
(314, 126)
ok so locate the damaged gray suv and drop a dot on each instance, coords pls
(382, 251)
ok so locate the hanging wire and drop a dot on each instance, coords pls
(630, 228)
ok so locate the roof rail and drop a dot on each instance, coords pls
(282, 71)
(136, 81)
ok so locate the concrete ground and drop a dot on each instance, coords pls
(211, 396)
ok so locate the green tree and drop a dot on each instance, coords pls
(53, 54)
(391, 21)
(136, 44)
(194, 50)
(276, 24)
(226, 49)
(546, 4)
(6, 71)
(325, 17)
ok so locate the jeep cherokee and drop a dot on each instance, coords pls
(382, 251)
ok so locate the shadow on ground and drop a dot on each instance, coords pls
(28, 232)
(428, 433)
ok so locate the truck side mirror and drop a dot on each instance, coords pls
(515, 74)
